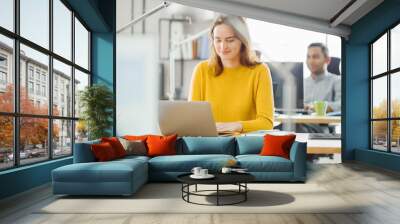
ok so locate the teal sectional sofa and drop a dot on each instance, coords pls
(125, 176)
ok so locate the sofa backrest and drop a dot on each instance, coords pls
(206, 145)
(191, 146)
(249, 144)
(83, 153)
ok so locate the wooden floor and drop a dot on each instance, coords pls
(378, 188)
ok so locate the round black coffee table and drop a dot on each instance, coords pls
(238, 179)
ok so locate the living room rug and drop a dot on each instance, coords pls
(167, 198)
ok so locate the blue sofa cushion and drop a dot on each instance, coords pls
(257, 163)
(206, 145)
(185, 163)
(249, 144)
(132, 158)
(111, 171)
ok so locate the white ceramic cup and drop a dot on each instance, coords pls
(196, 170)
(226, 170)
(203, 172)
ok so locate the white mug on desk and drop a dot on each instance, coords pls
(196, 171)
(203, 172)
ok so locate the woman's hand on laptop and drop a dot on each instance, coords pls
(229, 126)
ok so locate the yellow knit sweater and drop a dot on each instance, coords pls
(241, 94)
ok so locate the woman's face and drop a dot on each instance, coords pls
(226, 44)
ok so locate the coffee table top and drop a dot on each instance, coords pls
(220, 178)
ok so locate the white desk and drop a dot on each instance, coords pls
(308, 119)
(320, 146)
(316, 146)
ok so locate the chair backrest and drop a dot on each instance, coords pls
(334, 66)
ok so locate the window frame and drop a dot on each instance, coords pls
(388, 74)
(16, 114)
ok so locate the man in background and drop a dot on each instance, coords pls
(320, 86)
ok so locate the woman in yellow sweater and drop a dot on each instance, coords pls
(233, 81)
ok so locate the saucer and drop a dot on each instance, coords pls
(208, 176)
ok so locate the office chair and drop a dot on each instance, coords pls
(334, 66)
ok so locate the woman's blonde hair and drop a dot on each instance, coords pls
(247, 55)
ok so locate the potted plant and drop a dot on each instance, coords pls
(97, 105)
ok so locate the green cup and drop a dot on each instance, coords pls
(320, 107)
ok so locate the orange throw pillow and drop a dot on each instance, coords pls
(136, 137)
(277, 145)
(161, 145)
(116, 145)
(103, 152)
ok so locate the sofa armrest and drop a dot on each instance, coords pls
(83, 152)
(298, 155)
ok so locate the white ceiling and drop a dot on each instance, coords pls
(320, 9)
(313, 15)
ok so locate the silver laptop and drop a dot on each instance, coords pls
(185, 118)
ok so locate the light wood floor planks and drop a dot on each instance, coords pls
(354, 182)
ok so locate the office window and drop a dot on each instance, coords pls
(81, 45)
(385, 97)
(7, 14)
(62, 137)
(40, 62)
(395, 95)
(34, 21)
(81, 81)
(6, 73)
(62, 29)
(81, 132)
(3, 72)
(61, 75)
(379, 133)
(379, 97)
(6, 142)
(43, 132)
(395, 47)
(379, 56)
(33, 140)
(395, 135)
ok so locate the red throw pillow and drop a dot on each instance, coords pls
(161, 145)
(277, 145)
(116, 145)
(103, 152)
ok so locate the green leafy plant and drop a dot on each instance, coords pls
(97, 102)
